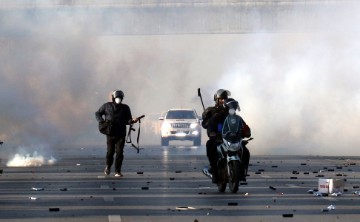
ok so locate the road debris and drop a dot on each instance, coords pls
(329, 208)
(336, 194)
(271, 187)
(54, 209)
(288, 215)
(312, 191)
(185, 208)
(37, 189)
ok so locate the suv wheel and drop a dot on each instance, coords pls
(164, 142)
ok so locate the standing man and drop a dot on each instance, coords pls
(213, 119)
(115, 115)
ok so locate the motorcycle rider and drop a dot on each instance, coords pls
(118, 115)
(243, 131)
(213, 119)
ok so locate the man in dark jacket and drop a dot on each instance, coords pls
(116, 116)
(213, 119)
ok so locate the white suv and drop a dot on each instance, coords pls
(180, 124)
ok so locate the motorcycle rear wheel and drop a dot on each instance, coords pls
(234, 176)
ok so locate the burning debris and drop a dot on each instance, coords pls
(27, 160)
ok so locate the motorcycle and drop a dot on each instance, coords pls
(230, 170)
(230, 167)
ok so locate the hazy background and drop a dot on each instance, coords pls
(298, 91)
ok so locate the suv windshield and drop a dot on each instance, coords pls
(183, 114)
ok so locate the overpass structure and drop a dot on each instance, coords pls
(164, 17)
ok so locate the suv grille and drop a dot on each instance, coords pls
(180, 125)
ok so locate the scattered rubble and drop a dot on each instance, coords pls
(232, 204)
(272, 188)
(288, 215)
(185, 208)
(37, 189)
(54, 209)
(329, 208)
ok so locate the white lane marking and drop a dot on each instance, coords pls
(104, 187)
(292, 186)
(265, 176)
(114, 218)
(329, 198)
(108, 198)
(101, 177)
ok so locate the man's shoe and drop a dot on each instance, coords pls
(118, 174)
(214, 178)
(107, 171)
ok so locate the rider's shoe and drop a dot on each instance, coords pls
(214, 178)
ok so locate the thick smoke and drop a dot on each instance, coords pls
(298, 91)
(305, 101)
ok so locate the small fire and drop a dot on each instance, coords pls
(27, 160)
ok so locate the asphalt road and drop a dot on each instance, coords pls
(166, 184)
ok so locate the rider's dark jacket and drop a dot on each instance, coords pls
(213, 120)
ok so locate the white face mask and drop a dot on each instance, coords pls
(231, 111)
(117, 100)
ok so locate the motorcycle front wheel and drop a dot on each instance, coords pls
(222, 177)
(234, 176)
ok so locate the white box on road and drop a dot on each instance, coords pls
(331, 185)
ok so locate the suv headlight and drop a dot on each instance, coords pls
(193, 125)
(165, 127)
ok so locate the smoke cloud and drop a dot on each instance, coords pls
(299, 92)
(26, 160)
